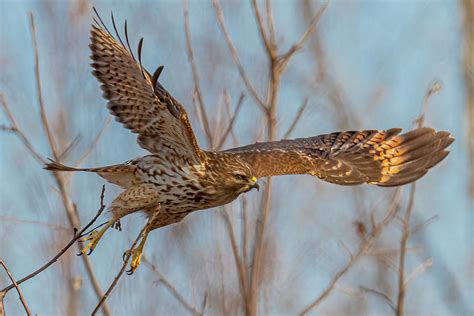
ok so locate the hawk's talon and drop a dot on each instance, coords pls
(136, 258)
(92, 239)
(126, 252)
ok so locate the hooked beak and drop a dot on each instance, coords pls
(252, 185)
(255, 184)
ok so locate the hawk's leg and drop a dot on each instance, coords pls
(95, 236)
(137, 252)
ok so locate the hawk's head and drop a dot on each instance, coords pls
(231, 176)
(237, 175)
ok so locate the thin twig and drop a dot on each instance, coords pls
(15, 220)
(421, 226)
(403, 246)
(468, 70)
(39, 92)
(15, 284)
(297, 118)
(300, 43)
(94, 143)
(362, 250)
(17, 131)
(384, 296)
(332, 90)
(271, 49)
(63, 155)
(76, 237)
(428, 263)
(197, 85)
(169, 286)
(2, 306)
(271, 24)
(242, 271)
(244, 230)
(230, 127)
(204, 303)
(434, 88)
(235, 56)
(402, 285)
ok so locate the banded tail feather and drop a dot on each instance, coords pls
(120, 174)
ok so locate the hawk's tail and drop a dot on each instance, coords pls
(56, 166)
(407, 157)
(121, 174)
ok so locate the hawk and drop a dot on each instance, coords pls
(178, 177)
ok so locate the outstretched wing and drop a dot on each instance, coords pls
(383, 158)
(138, 100)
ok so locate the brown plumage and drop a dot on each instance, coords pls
(383, 158)
(179, 177)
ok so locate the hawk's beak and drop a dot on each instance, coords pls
(255, 184)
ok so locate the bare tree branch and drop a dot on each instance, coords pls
(230, 127)
(39, 92)
(15, 220)
(403, 246)
(428, 263)
(235, 55)
(170, 287)
(402, 285)
(271, 23)
(271, 49)
(330, 86)
(18, 132)
(197, 85)
(71, 211)
(240, 265)
(94, 143)
(362, 250)
(297, 118)
(420, 226)
(468, 67)
(276, 68)
(285, 58)
(76, 237)
(17, 288)
(384, 296)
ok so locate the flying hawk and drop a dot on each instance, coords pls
(179, 177)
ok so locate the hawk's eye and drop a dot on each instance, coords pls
(240, 177)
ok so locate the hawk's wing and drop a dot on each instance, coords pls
(377, 157)
(138, 100)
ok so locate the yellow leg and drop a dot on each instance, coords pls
(137, 253)
(94, 237)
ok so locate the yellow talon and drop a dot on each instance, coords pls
(136, 258)
(94, 237)
(135, 261)
(93, 240)
(137, 254)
